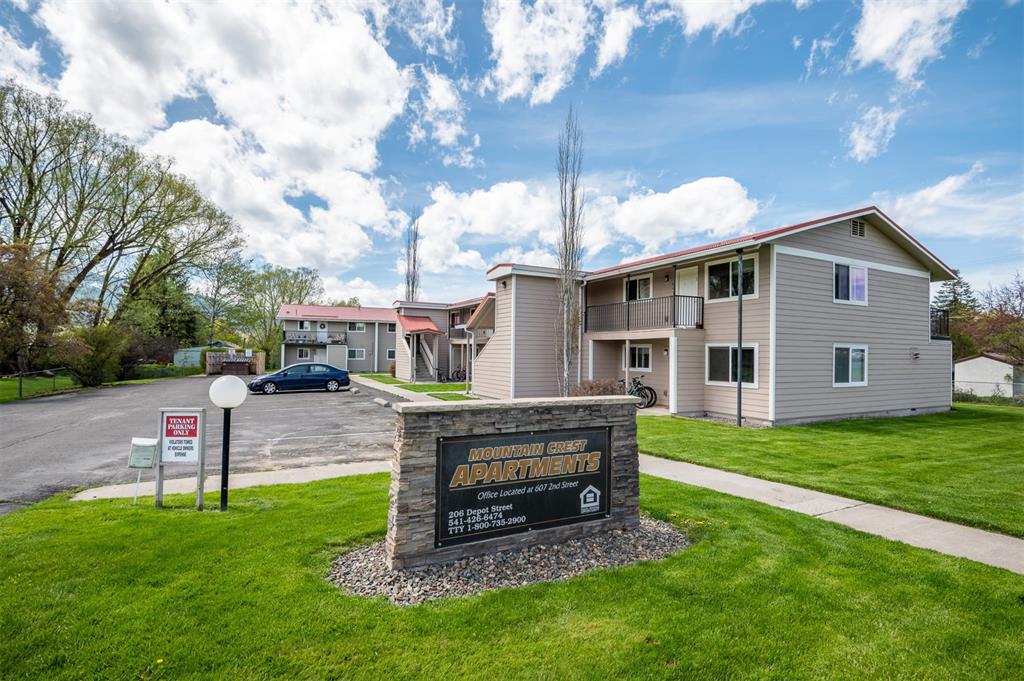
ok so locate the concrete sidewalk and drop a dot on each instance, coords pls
(237, 480)
(991, 548)
(410, 395)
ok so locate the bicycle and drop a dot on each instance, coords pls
(648, 396)
(459, 375)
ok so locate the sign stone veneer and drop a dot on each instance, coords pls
(412, 513)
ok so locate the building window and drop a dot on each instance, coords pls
(850, 284)
(302, 353)
(849, 365)
(391, 327)
(639, 288)
(357, 353)
(356, 326)
(722, 364)
(304, 325)
(639, 358)
(723, 279)
(391, 353)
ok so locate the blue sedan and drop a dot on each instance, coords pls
(305, 376)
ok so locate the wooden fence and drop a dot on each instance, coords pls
(215, 362)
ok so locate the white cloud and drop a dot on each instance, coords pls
(717, 16)
(429, 25)
(904, 36)
(369, 293)
(870, 136)
(716, 206)
(983, 278)
(797, 42)
(20, 63)
(975, 52)
(299, 93)
(535, 47)
(802, 4)
(440, 108)
(820, 51)
(964, 205)
(617, 28)
(521, 220)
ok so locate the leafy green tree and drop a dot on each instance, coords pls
(264, 292)
(93, 353)
(219, 292)
(957, 296)
(30, 307)
(345, 302)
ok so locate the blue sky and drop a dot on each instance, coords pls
(323, 127)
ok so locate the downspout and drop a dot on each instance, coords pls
(739, 338)
(579, 343)
(376, 346)
(472, 361)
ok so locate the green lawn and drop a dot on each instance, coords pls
(452, 396)
(417, 387)
(107, 590)
(34, 385)
(966, 465)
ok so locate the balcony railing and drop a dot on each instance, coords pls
(456, 333)
(653, 313)
(940, 323)
(316, 338)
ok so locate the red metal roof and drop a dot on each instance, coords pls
(412, 324)
(769, 234)
(468, 302)
(342, 314)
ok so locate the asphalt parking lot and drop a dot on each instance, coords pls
(50, 444)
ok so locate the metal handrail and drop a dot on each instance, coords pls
(648, 313)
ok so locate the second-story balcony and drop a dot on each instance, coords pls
(316, 337)
(457, 333)
(665, 312)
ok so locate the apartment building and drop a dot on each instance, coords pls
(352, 338)
(825, 319)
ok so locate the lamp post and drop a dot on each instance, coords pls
(227, 392)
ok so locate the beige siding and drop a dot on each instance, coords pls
(894, 324)
(536, 309)
(403, 356)
(493, 365)
(690, 372)
(440, 319)
(720, 328)
(836, 240)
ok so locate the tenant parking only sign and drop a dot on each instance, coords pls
(494, 485)
(181, 435)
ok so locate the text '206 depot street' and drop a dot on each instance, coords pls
(503, 484)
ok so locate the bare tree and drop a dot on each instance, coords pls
(570, 248)
(412, 257)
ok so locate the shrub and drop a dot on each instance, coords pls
(391, 369)
(967, 395)
(93, 354)
(599, 386)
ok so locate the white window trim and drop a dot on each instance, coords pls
(625, 286)
(299, 351)
(650, 356)
(862, 303)
(867, 361)
(731, 346)
(361, 352)
(746, 296)
(392, 327)
(391, 354)
(357, 329)
(305, 325)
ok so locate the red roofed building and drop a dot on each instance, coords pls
(353, 338)
(823, 319)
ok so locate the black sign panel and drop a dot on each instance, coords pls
(494, 485)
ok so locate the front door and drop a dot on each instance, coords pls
(686, 281)
(320, 355)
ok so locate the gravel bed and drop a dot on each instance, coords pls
(364, 572)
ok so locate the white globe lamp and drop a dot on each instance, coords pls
(227, 392)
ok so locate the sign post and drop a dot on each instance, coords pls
(182, 441)
(142, 456)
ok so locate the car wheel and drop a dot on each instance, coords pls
(333, 386)
(269, 388)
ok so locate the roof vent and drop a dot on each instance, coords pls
(857, 228)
